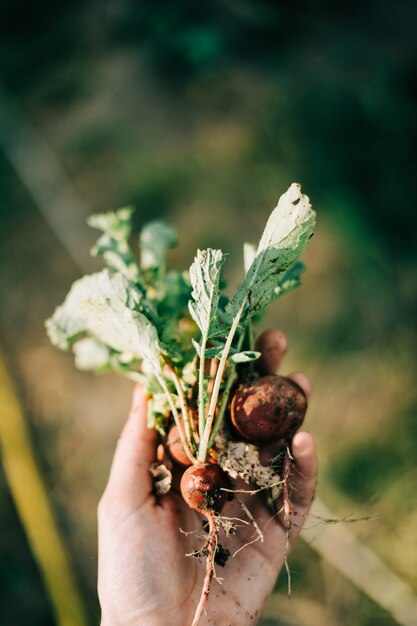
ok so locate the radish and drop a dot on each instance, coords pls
(175, 448)
(201, 487)
(268, 409)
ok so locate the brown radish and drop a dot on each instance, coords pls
(175, 448)
(201, 487)
(268, 409)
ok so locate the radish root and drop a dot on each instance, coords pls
(211, 553)
(287, 510)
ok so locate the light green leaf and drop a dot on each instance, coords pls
(161, 404)
(244, 357)
(286, 234)
(189, 373)
(155, 239)
(155, 420)
(249, 253)
(216, 352)
(113, 245)
(90, 354)
(103, 305)
(197, 347)
(205, 278)
(115, 223)
(158, 410)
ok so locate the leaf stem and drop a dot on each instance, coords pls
(202, 453)
(184, 409)
(176, 417)
(201, 403)
(225, 396)
(250, 336)
(138, 378)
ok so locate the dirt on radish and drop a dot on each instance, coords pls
(267, 409)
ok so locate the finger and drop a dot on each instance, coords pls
(135, 451)
(270, 451)
(272, 344)
(303, 478)
(302, 381)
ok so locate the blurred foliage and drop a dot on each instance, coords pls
(373, 464)
(203, 113)
(20, 585)
(344, 82)
(34, 507)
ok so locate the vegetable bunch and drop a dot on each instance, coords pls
(179, 335)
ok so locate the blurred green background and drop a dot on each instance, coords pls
(203, 114)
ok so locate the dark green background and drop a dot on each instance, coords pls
(204, 113)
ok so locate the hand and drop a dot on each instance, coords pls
(144, 577)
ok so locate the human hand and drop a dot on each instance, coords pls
(144, 577)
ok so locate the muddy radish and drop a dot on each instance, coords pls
(201, 487)
(268, 408)
(175, 448)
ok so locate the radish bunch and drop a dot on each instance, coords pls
(190, 346)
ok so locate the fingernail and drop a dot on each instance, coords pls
(303, 444)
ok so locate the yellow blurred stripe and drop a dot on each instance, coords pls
(32, 504)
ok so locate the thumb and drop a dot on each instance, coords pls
(136, 450)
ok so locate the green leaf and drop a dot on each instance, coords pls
(244, 357)
(205, 279)
(175, 326)
(214, 353)
(189, 373)
(156, 420)
(197, 347)
(118, 223)
(177, 291)
(286, 234)
(155, 239)
(103, 306)
(290, 279)
(161, 404)
(113, 245)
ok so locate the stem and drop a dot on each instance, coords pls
(201, 411)
(176, 416)
(225, 397)
(212, 546)
(250, 336)
(214, 363)
(184, 409)
(223, 405)
(217, 382)
(138, 378)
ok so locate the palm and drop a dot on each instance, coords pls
(252, 571)
(161, 534)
